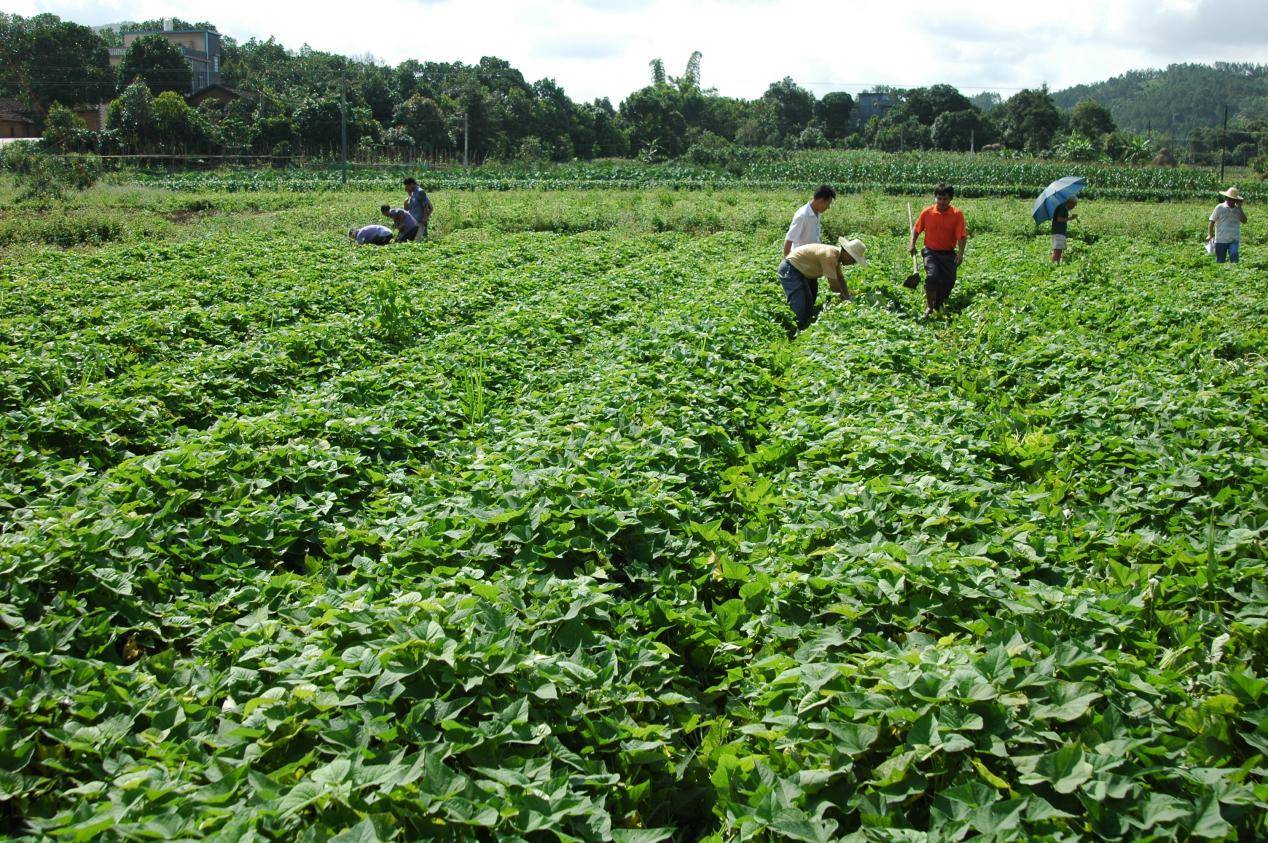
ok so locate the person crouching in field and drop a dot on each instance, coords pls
(799, 273)
(1225, 226)
(1060, 219)
(376, 235)
(406, 225)
(945, 239)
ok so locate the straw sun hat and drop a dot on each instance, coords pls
(1231, 193)
(855, 249)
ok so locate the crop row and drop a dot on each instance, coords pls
(981, 175)
(570, 538)
(296, 584)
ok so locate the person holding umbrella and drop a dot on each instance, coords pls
(1225, 226)
(945, 239)
(1060, 219)
(1054, 203)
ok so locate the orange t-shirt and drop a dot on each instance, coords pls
(942, 230)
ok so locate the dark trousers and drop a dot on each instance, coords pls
(939, 276)
(404, 236)
(800, 291)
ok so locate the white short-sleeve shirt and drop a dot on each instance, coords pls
(804, 228)
(1228, 223)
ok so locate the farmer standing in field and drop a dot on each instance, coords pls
(945, 239)
(418, 205)
(406, 225)
(799, 273)
(1225, 226)
(1060, 219)
(805, 223)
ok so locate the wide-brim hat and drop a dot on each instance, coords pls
(1231, 193)
(855, 249)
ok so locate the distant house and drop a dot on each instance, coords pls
(218, 93)
(200, 47)
(16, 121)
(94, 116)
(868, 105)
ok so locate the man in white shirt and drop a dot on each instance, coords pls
(1225, 226)
(805, 223)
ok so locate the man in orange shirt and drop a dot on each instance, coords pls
(945, 238)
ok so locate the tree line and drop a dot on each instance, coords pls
(297, 102)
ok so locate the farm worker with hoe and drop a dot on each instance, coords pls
(378, 235)
(418, 205)
(805, 223)
(1225, 226)
(799, 273)
(945, 239)
(406, 225)
(1060, 219)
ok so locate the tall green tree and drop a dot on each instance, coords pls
(44, 58)
(1030, 120)
(1091, 120)
(157, 62)
(794, 107)
(833, 112)
(132, 116)
(958, 130)
(422, 118)
(654, 120)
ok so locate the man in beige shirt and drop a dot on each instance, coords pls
(799, 273)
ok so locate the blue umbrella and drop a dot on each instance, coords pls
(1055, 194)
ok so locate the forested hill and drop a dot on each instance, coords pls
(1181, 98)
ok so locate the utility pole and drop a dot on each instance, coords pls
(1223, 144)
(343, 123)
(972, 139)
(466, 127)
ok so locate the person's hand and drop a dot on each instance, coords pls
(959, 259)
(911, 251)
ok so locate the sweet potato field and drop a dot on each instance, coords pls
(558, 535)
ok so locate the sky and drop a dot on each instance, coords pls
(601, 48)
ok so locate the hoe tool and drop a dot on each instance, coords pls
(912, 280)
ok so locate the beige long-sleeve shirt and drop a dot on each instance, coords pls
(817, 260)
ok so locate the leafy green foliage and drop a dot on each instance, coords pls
(712, 166)
(567, 538)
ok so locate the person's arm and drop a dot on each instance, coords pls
(1210, 229)
(794, 232)
(1241, 214)
(911, 247)
(959, 248)
(427, 209)
(1066, 218)
(836, 282)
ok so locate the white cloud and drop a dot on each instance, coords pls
(597, 48)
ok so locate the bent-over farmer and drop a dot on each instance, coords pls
(945, 239)
(376, 235)
(406, 225)
(799, 273)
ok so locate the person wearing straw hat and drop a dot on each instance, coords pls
(1225, 226)
(799, 273)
